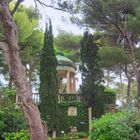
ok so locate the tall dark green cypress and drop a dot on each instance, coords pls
(90, 69)
(48, 80)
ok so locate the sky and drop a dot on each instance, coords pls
(60, 19)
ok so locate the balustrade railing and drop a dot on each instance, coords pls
(62, 97)
(36, 97)
(68, 97)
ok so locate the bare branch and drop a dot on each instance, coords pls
(10, 1)
(16, 6)
(50, 6)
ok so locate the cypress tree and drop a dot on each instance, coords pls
(48, 80)
(90, 69)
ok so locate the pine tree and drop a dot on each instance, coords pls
(48, 81)
(91, 73)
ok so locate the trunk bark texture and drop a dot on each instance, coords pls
(17, 72)
(129, 75)
(128, 90)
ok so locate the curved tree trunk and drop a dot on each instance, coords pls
(16, 69)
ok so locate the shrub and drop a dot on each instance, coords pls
(65, 122)
(81, 134)
(119, 126)
(11, 116)
(108, 97)
(22, 135)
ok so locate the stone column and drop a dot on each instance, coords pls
(68, 82)
(60, 85)
(90, 118)
(74, 86)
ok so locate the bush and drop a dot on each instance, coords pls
(65, 122)
(11, 116)
(81, 134)
(22, 135)
(108, 97)
(119, 126)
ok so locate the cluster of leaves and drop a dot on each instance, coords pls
(120, 126)
(23, 135)
(111, 57)
(69, 45)
(11, 117)
(103, 101)
(74, 136)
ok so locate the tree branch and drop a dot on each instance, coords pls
(16, 6)
(10, 1)
(50, 6)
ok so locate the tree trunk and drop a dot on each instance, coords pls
(90, 118)
(36, 128)
(108, 75)
(138, 88)
(10, 84)
(121, 89)
(130, 47)
(128, 90)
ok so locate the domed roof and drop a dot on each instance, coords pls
(64, 61)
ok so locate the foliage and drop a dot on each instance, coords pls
(28, 25)
(69, 44)
(103, 14)
(65, 121)
(91, 73)
(110, 91)
(24, 26)
(111, 57)
(22, 135)
(120, 126)
(30, 40)
(73, 136)
(119, 21)
(103, 101)
(48, 81)
(80, 134)
(11, 117)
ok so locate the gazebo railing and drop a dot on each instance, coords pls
(36, 97)
(62, 97)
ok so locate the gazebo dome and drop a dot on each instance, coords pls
(66, 70)
(64, 61)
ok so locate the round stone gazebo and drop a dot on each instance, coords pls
(66, 74)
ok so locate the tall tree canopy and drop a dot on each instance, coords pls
(48, 80)
(117, 18)
(91, 73)
(68, 44)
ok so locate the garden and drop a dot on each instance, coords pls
(69, 70)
